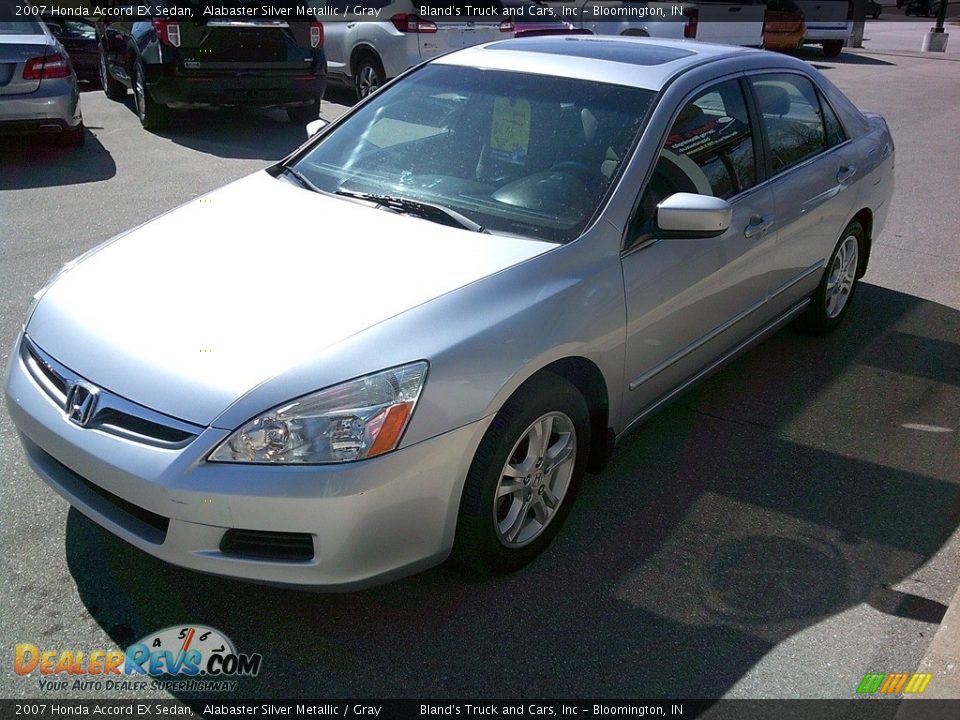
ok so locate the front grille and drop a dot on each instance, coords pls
(263, 545)
(122, 423)
(143, 523)
(114, 414)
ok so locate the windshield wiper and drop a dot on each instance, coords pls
(300, 178)
(417, 208)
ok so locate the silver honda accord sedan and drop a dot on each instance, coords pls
(414, 336)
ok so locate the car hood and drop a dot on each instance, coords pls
(190, 311)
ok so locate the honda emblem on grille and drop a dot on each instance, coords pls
(81, 403)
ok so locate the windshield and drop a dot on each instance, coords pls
(530, 155)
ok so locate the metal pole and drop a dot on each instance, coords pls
(941, 15)
(936, 39)
(859, 20)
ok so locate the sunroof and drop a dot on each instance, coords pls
(616, 51)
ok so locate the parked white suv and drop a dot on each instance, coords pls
(366, 50)
(730, 22)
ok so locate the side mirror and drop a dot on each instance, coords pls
(315, 126)
(686, 215)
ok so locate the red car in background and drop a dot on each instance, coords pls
(533, 19)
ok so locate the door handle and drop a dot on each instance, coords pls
(845, 173)
(758, 225)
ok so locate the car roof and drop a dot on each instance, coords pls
(637, 62)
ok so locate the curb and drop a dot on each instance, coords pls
(943, 661)
(953, 57)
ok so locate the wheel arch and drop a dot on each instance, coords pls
(588, 379)
(865, 217)
(361, 51)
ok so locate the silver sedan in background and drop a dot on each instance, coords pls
(415, 335)
(39, 93)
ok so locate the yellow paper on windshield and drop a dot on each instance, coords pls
(510, 130)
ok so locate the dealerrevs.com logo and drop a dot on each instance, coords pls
(184, 657)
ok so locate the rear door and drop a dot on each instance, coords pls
(731, 22)
(812, 173)
(19, 42)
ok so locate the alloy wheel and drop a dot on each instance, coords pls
(843, 274)
(535, 479)
(369, 82)
(139, 94)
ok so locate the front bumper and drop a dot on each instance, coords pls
(368, 522)
(817, 34)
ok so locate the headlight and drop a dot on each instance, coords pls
(356, 420)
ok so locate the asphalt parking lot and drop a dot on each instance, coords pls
(778, 532)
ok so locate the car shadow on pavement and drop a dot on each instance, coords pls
(810, 476)
(240, 133)
(35, 163)
(814, 56)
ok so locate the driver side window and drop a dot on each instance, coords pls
(709, 151)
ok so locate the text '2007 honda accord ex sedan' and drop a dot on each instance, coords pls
(417, 333)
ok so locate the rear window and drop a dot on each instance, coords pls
(20, 27)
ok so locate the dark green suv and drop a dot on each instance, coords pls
(170, 63)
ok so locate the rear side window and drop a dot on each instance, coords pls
(835, 132)
(790, 113)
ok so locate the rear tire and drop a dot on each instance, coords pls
(153, 115)
(303, 114)
(832, 48)
(524, 477)
(369, 76)
(833, 297)
(113, 89)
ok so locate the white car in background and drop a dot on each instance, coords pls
(365, 53)
(728, 22)
(829, 23)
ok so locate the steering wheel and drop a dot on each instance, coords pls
(575, 167)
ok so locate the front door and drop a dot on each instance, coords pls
(689, 300)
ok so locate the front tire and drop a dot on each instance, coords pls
(832, 48)
(524, 477)
(831, 300)
(153, 115)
